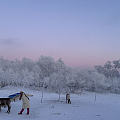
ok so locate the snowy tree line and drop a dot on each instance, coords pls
(59, 77)
(111, 71)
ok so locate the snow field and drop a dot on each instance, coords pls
(83, 107)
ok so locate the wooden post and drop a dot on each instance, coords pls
(42, 85)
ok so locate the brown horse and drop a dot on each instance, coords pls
(5, 102)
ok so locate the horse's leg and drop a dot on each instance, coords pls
(9, 107)
(0, 108)
(8, 111)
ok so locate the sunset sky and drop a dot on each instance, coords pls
(81, 32)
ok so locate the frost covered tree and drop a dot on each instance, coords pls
(110, 69)
(59, 77)
(46, 65)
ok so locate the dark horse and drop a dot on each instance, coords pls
(5, 102)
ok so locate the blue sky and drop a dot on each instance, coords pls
(81, 32)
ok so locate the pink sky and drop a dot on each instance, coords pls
(82, 33)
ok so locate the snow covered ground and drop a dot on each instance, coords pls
(83, 107)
